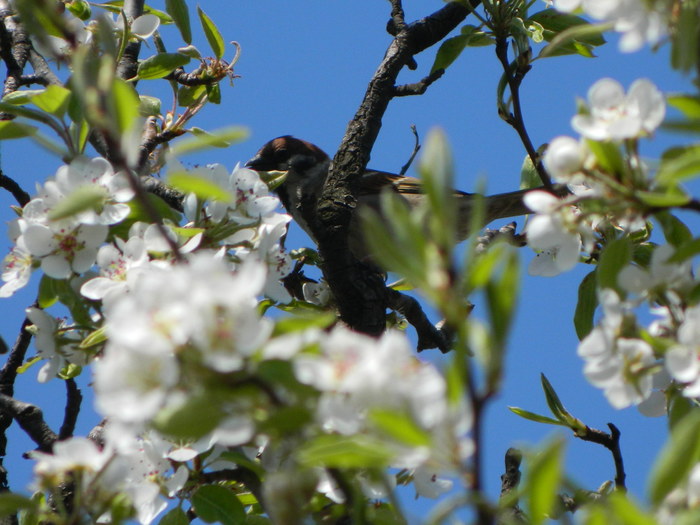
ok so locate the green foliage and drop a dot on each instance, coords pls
(202, 187)
(542, 484)
(216, 41)
(567, 34)
(160, 65)
(678, 456)
(218, 504)
(222, 138)
(340, 451)
(176, 516)
(177, 9)
(586, 305)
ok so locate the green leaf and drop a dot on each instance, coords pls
(10, 129)
(608, 156)
(188, 95)
(689, 105)
(80, 9)
(177, 9)
(586, 305)
(684, 45)
(333, 450)
(54, 100)
(301, 322)
(160, 65)
(449, 51)
(28, 364)
(202, 187)
(679, 455)
(553, 401)
(544, 477)
(679, 164)
(83, 198)
(21, 96)
(214, 93)
(630, 513)
(577, 39)
(149, 106)
(214, 503)
(556, 22)
(176, 516)
(216, 41)
(526, 414)
(685, 251)
(672, 197)
(675, 231)
(116, 6)
(477, 38)
(125, 105)
(48, 294)
(11, 503)
(529, 178)
(400, 427)
(202, 140)
(615, 256)
(194, 418)
(95, 338)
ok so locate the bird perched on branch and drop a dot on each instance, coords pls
(305, 168)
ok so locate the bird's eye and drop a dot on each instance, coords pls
(281, 154)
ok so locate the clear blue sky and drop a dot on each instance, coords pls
(303, 71)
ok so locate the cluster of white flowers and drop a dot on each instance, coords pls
(618, 354)
(560, 227)
(639, 22)
(358, 375)
(168, 330)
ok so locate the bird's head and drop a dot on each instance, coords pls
(287, 152)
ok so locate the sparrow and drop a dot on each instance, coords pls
(305, 166)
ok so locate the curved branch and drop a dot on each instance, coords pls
(31, 419)
(21, 196)
(73, 401)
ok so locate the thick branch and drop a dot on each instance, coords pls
(359, 289)
(31, 419)
(128, 65)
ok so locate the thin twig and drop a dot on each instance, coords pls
(74, 400)
(21, 196)
(612, 443)
(416, 149)
(418, 88)
(514, 76)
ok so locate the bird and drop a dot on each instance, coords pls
(305, 168)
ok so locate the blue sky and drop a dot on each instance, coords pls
(303, 71)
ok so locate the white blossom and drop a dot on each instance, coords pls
(683, 359)
(550, 231)
(616, 115)
(639, 22)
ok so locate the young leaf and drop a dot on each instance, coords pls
(449, 51)
(221, 138)
(116, 6)
(203, 188)
(586, 305)
(177, 9)
(216, 41)
(125, 105)
(11, 503)
(217, 504)
(194, 418)
(160, 65)
(54, 100)
(526, 414)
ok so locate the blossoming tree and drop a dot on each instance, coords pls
(235, 389)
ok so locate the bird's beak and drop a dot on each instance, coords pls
(260, 163)
(268, 172)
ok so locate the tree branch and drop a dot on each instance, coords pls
(612, 443)
(358, 288)
(21, 196)
(31, 419)
(73, 402)
(128, 65)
